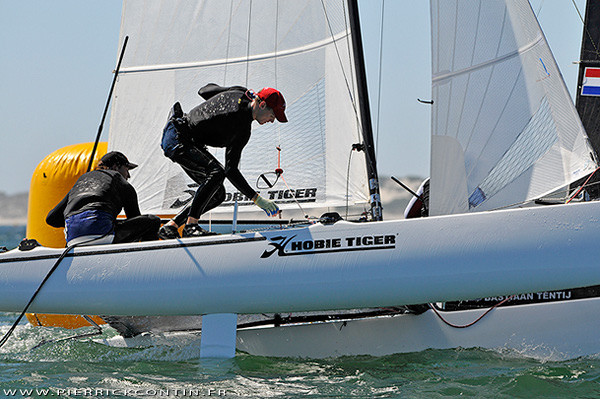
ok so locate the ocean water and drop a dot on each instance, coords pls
(82, 368)
(10, 236)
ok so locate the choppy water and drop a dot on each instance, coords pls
(86, 369)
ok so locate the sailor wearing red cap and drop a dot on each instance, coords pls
(223, 120)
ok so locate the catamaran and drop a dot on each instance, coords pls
(504, 134)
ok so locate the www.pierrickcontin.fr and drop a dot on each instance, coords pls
(107, 392)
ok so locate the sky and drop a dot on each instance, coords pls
(57, 58)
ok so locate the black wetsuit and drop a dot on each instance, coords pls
(92, 205)
(224, 120)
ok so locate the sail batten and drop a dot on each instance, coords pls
(223, 62)
(448, 75)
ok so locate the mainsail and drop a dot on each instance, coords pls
(301, 47)
(504, 128)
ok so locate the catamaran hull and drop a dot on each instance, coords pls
(550, 331)
(554, 331)
(321, 267)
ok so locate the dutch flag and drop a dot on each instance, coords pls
(591, 82)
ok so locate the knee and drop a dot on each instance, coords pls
(220, 195)
(153, 221)
(216, 171)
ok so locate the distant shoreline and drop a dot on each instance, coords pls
(13, 209)
(13, 222)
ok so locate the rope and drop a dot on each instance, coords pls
(297, 202)
(62, 256)
(279, 173)
(583, 185)
(473, 322)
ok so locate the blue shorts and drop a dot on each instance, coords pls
(170, 140)
(94, 222)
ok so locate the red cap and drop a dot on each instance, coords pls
(275, 101)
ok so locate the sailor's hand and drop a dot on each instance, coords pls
(270, 208)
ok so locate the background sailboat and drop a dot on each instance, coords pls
(587, 105)
(504, 129)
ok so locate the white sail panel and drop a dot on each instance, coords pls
(302, 48)
(500, 99)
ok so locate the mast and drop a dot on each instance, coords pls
(365, 111)
(588, 106)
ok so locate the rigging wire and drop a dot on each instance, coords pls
(279, 173)
(349, 45)
(97, 331)
(112, 87)
(537, 14)
(235, 205)
(337, 51)
(295, 199)
(586, 29)
(276, 38)
(348, 182)
(278, 127)
(248, 43)
(228, 43)
(37, 291)
(379, 79)
(371, 169)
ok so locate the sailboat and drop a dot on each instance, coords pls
(504, 132)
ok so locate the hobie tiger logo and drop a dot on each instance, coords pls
(292, 245)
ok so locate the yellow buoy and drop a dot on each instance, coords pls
(51, 181)
(61, 320)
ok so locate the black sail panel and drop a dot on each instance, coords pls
(587, 105)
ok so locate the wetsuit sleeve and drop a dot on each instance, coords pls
(56, 217)
(232, 161)
(130, 201)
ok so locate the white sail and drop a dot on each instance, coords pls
(504, 128)
(302, 48)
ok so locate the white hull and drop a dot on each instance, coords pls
(319, 267)
(548, 331)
